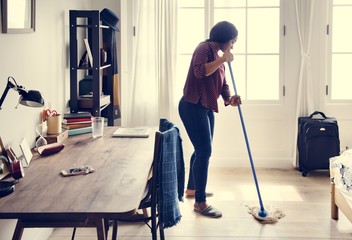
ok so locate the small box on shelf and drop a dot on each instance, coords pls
(87, 102)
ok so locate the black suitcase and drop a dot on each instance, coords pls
(317, 141)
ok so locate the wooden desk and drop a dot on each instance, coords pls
(44, 198)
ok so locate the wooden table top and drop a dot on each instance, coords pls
(115, 188)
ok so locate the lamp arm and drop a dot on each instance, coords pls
(9, 85)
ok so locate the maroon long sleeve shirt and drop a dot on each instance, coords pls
(201, 88)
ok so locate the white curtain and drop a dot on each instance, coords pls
(149, 94)
(305, 104)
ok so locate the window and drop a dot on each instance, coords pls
(341, 51)
(257, 51)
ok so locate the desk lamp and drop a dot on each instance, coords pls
(31, 98)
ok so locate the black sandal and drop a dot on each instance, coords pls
(209, 212)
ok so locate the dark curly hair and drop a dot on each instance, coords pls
(222, 32)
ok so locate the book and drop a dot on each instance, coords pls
(77, 115)
(89, 52)
(77, 125)
(77, 131)
(76, 120)
(136, 132)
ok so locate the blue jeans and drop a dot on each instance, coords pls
(199, 124)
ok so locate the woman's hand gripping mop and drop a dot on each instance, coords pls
(270, 215)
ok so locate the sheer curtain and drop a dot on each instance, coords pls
(305, 104)
(149, 92)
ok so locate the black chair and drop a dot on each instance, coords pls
(165, 186)
(150, 201)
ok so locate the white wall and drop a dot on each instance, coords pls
(38, 61)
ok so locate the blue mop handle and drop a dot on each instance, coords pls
(247, 143)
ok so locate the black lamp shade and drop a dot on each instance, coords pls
(32, 98)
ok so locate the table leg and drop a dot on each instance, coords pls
(100, 229)
(17, 235)
(114, 230)
(98, 223)
(334, 208)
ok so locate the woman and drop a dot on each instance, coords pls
(204, 84)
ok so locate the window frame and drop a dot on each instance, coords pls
(209, 22)
(330, 53)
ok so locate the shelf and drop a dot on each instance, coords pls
(90, 68)
(85, 26)
(89, 26)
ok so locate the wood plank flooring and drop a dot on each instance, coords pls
(305, 201)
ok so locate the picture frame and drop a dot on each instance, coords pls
(26, 151)
(5, 170)
(18, 16)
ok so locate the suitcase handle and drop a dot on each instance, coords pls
(316, 113)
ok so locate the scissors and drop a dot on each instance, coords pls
(47, 113)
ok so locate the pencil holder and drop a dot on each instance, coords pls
(54, 124)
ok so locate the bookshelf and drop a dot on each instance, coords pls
(87, 66)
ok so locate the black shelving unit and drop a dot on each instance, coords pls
(85, 24)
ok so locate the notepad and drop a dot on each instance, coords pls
(137, 132)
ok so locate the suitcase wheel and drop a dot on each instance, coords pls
(304, 174)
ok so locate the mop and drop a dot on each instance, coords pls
(271, 215)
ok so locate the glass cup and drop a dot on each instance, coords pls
(97, 127)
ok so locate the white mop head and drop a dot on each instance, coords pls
(274, 214)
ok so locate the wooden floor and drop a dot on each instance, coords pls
(305, 201)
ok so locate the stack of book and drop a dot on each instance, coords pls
(77, 123)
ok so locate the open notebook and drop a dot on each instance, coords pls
(136, 132)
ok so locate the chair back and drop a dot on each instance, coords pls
(165, 187)
(153, 183)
